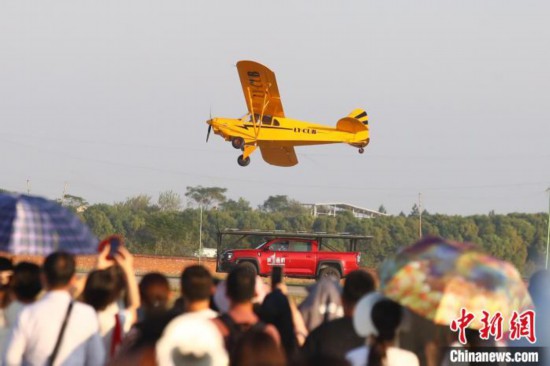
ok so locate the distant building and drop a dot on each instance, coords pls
(206, 252)
(331, 209)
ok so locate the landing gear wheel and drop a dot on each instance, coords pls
(242, 161)
(237, 142)
(361, 150)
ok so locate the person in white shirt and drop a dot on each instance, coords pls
(378, 318)
(6, 271)
(26, 287)
(197, 286)
(34, 335)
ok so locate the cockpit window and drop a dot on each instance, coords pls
(266, 120)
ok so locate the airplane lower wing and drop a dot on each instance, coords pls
(279, 155)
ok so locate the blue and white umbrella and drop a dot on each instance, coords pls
(35, 225)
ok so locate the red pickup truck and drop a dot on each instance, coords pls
(300, 257)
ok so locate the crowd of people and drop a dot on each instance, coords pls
(48, 316)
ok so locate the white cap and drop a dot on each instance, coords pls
(190, 340)
(362, 317)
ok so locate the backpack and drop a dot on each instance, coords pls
(237, 331)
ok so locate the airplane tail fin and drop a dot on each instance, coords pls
(361, 115)
(356, 121)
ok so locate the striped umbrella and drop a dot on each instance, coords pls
(35, 225)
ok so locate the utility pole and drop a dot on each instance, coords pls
(420, 215)
(200, 235)
(548, 237)
(28, 186)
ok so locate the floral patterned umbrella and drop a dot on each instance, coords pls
(436, 278)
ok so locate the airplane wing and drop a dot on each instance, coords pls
(279, 155)
(260, 87)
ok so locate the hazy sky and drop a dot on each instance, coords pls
(112, 98)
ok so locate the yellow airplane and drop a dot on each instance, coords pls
(265, 125)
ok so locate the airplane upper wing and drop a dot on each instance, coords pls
(260, 89)
(279, 155)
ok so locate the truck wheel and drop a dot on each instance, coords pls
(250, 266)
(329, 272)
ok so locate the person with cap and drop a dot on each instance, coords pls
(194, 341)
(378, 319)
(337, 337)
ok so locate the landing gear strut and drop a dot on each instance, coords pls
(243, 161)
(361, 150)
(237, 142)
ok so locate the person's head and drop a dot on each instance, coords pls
(196, 284)
(386, 317)
(539, 288)
(101, 289)
(241, 283)
(26, 282)
(191, 341)
(358, 283)
(6, 271)
(257, 348)
(154, 291)
(59, 269)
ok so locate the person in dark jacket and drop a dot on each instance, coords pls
(275, 309)
(335, 338)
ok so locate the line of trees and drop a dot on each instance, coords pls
(170, 226)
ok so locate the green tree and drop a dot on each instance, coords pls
(283, 204)
(74, 203)
(140, 202)
(96, 217)
(240, 205)
(169, 201)
(206, 196)
(414, 211)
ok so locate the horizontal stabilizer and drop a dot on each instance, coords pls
(352, 125)
(356, 121)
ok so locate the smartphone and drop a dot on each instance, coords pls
(114, 242)
(276, 275)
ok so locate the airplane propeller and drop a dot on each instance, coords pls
(208, 134)
(209, 126)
